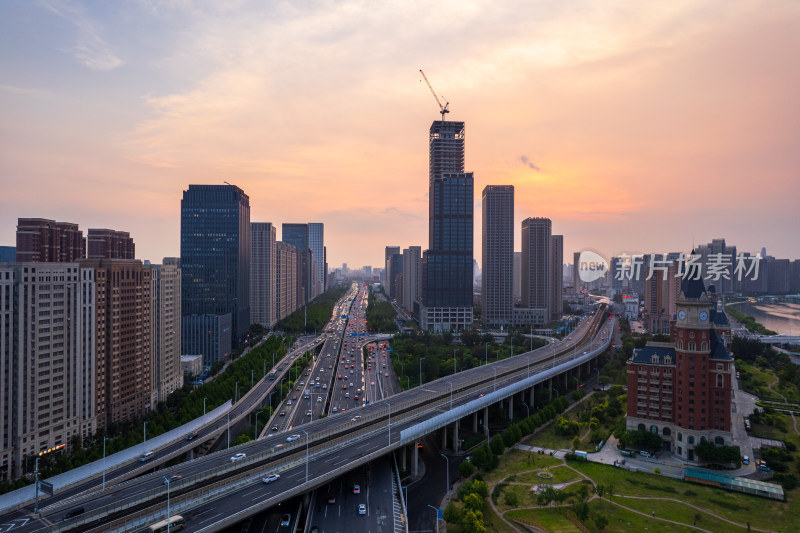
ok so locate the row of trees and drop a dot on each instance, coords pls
(474, 495)
(315, 314)
(380, 314)
(181, 406)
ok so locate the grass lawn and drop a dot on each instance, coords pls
(548, 438)
(525, 497)
(760, 512)
(514, 461)
(623, 521)
(553, 520)
(490, 520)
(680, 513)
(561, 474)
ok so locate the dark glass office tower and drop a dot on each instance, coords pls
(215, 254)
(446, 303)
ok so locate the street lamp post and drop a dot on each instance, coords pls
(306, 432)
(229, 429)
(168, 483)
(236, 397)
(252, 374)
(435, 510)
(495, 378)
(104, 462)
(390, 422)
(420, 370)
(486, 352)
(454, 361)
(255, 437)
(204, 406)
(447, 463)
(36, 507)
(556, 391)
(528, 408)
(487, 434)
(145, 432)
(451, 394)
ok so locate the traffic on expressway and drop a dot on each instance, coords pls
(216, 491)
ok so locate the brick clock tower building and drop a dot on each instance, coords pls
(681, 390)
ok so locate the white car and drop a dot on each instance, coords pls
(362, 509)
(319, 399)
(272, 477)
(238, 457)
(292, 438)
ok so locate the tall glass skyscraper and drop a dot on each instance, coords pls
(316, 243)
(446, 303)
(215, 254)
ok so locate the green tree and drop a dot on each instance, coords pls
(600, 522)
(497, 444)
(466, 469)
(511, 498)
(473, 502)
(452, 514)
(576, 442)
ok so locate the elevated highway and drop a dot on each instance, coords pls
(215, 492)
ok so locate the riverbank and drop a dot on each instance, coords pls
(748, 321)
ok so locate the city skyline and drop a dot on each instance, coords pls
(597, 119)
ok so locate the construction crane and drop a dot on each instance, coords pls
(442, 108)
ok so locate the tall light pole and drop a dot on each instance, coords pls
(36, 473)
(528, 408)
(236, 397)
(447, 463)
(454, 361)
(252, 374)
(486, 352)
(104, 462)
(495, 378)
(168, 480)
(145, 432)
(487, 433)
(306, 432)
(390, 423)
(255, 437)
(229, 429)
(420, 370)
(204, 406)
(451, 394)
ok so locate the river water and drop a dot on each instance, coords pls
(783, 317)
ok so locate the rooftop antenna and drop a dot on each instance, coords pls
(442, 108)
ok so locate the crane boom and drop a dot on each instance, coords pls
(442, 108)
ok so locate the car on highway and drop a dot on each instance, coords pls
(274, 428)
(285, 520)
(335, 409)
(173, 477)
(356, 489)
(355, 418)
(308, 412)
(191, 435)
(283, 413)
(238, 457)
(331, 499)
(355, 397)
(319, 399)
(386, 374)
(362, 509)
(272, 477)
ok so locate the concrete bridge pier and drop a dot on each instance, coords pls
(550, 389)
(403, 461)
(532, 396)
(190, 455)
(455, 436)
(475, 422)
(444, 438)
(415, 459)
(511, 408)
(566, 386)
(486, 420)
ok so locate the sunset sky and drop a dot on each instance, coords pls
(635, 126)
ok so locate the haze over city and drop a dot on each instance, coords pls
(634, 127)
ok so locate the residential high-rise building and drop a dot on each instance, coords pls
(165, 329)
(536, 265)
(48, 241)
(412, 271)
(215, 254)
(122, 338)
(517, 277)
(286, 282)
(109, 244)
(262, 274)
(556, 276)
(661, 292)
(497, 282)
(718, 246)
(47, 359)
(316, 242)
(446, 301)
(208, 336)
(396, 276)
